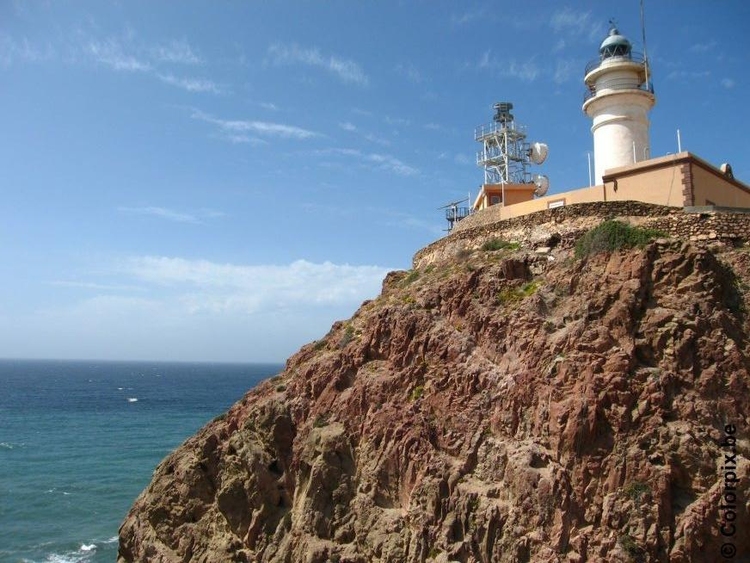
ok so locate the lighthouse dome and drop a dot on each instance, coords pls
(615, 45)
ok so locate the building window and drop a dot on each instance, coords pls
(556, 203)
(495, 199)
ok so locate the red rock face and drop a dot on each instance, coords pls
(496, 407)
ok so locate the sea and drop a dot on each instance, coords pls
(79, 440)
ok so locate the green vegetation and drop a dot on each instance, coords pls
(417, 392)
(347, 337)
(320, 421)
(631, 547)
(319, 345)
(635, 490)
(499, 244)
(434, 552)
(515, 294)
(613, 235)
(412, 277)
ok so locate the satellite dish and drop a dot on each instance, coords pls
(542, 184)
(538, 152)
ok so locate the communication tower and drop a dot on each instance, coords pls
(506, 154)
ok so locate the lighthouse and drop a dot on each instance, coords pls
(618, 98)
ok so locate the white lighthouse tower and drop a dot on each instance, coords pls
(618, 100)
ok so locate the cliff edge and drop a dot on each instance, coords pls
(502, 405)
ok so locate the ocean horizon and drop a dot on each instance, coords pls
(79, 440)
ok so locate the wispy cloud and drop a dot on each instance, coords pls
(22, 50)
(344, 69)
(240, 127)
(176, 52)
(120, 54)
(379, 161)
(687, 75)
(566, 69)
(727, 83)
(703, 47)
(576, 24)
(206, 286)
(467, 17)
(348, 126)
(196, 218)
(410, 72)
(111, 53)
(527, 71)
(191, 84)
(96, 286)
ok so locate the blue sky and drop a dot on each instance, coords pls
(223, 180)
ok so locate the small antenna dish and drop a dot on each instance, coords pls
(538, 152)
(542, 184)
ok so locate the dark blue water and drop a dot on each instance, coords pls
(79, 441)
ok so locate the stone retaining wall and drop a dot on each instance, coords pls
(563, 225)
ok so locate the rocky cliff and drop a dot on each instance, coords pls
(500, 405)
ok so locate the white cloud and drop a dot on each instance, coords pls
(727, 83)
(346, 70)
(161, 213)
(238, 128)
(383, 162)
(565, 70)
(703, 47)
(12, 51)
(576, 24)
(191, 84)
(176, 52)
(528, 71)
(688, 75)
(348, 126)
(218, 288)
(111, 53)
(96, 286)
(467, 17)
(411, 72)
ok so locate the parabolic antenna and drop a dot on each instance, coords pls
(538, 152)
(542, 184)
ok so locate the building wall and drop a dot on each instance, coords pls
(679, 180)
(661, 186)
(710, 189)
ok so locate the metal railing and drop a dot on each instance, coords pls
(496, 128)
(617, 86)
(634, 57)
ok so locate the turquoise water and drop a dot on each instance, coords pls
(79, 441)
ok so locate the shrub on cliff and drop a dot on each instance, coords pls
(613, 235)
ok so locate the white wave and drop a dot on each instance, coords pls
(119, 388)
(6, 446)
(83, 555)
(132, 399)
(113, 539)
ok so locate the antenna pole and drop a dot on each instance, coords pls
(645, 55)
(679, 142)
(588, 154)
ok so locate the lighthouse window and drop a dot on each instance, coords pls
(495, 199)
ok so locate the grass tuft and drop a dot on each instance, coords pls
(613, 235)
